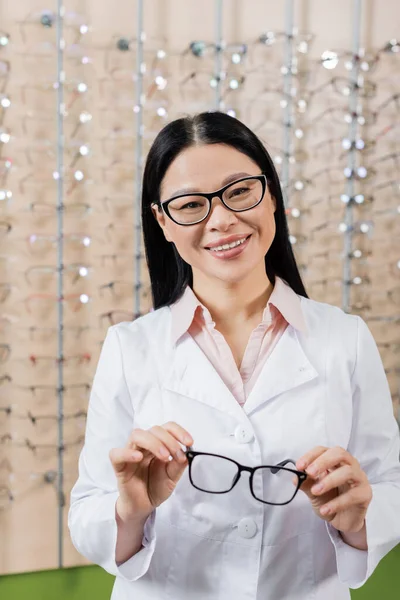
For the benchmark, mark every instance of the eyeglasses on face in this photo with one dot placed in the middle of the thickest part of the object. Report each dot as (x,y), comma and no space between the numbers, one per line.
(269,484)
(239,196)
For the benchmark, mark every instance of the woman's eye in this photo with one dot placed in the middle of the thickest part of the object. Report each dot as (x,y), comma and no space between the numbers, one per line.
(239,191)
(190,205)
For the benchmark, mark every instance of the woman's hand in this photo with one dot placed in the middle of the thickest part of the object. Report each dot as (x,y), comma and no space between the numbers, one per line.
(146,475)
(345,492)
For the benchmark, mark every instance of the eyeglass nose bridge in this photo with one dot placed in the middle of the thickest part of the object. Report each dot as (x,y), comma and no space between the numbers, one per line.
(242,468)
(211,198)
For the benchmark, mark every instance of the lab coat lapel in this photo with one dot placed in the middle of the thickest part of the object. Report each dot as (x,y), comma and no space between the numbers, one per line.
(193,375)
(286,368)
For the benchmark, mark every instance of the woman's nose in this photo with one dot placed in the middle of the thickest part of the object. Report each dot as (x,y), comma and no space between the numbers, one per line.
(220,216)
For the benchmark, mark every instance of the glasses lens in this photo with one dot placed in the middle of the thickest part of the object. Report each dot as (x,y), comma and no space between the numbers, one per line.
(188,209)
(212,473)
(279,484)
(242,195)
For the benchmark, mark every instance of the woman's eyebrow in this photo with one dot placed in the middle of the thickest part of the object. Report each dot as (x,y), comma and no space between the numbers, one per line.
(228,179)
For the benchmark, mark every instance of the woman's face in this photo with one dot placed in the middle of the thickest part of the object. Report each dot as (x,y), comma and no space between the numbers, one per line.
(205,169)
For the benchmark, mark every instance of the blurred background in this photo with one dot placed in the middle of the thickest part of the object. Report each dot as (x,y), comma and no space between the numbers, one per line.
(85,87)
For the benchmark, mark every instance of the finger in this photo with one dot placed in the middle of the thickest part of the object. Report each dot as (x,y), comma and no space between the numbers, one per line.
(146,440)
(121,456)
(309,457)
(355,497)
(175,469)
(341,476)
(330,459)
(179,432)
(169,442)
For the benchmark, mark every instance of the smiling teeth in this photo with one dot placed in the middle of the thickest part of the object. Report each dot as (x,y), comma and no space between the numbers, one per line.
(228,246)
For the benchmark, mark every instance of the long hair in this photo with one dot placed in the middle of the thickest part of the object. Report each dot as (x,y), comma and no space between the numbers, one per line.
(169,273)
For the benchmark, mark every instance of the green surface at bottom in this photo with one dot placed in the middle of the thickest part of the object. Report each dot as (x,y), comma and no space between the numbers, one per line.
(92,583)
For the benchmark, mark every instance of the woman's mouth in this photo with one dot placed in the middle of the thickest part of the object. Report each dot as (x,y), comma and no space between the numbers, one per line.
(228,251)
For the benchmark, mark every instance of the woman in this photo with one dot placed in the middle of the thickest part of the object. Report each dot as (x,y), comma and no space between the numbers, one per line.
(238,365)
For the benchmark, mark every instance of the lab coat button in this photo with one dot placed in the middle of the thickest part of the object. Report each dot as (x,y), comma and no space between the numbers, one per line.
(247,528)
(243,436)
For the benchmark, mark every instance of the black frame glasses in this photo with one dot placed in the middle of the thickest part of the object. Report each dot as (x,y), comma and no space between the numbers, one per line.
(301,475)
(217,194)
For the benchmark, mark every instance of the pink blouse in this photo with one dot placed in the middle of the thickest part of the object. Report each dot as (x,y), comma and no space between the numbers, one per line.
(283,308)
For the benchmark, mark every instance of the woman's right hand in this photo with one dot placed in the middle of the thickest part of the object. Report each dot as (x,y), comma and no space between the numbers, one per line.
(145,474)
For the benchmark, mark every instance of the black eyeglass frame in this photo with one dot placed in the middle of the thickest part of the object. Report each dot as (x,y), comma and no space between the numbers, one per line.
(209,196)
(301,475)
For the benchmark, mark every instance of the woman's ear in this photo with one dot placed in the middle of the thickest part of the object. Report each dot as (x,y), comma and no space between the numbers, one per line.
(159,215)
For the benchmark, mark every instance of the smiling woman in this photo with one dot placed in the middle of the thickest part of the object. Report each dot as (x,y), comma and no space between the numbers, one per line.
(239,366)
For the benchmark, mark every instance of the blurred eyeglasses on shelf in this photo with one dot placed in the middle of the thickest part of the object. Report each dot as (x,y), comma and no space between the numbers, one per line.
(41,304)
(5,69)
(121,235)
(119,289)
(117,204)
(5,352)
(234,53)
(5,229)
(75,25)
(341,115)
(117,142)
(391,295)
(330,175)
(392,186)
(301,40)
(344,87)
(6,164)
(197,82)
(120,48)
(5,379)
(49,392)
(76,96)
(44,243)
(298,240)
(37,361)
(363,60)
(357,199)
(44,423)
(41,274)
(120,260)
(359,227)
(44,210)
(112,317)
(388,213)
(5,292)
(40,450)
(35,333)
(392,347)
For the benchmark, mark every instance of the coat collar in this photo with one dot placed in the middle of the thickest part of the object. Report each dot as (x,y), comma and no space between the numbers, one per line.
(283,298)
(193,375)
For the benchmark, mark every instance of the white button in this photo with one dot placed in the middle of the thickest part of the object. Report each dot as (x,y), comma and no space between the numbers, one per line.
(243,435)
(247,528)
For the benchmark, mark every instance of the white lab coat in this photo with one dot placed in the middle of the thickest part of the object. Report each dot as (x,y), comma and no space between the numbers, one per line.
(323,387)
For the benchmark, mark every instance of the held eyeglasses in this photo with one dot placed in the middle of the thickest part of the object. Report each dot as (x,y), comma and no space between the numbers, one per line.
(269,484)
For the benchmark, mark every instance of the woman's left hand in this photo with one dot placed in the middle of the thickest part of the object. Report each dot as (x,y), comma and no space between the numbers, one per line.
(345,494)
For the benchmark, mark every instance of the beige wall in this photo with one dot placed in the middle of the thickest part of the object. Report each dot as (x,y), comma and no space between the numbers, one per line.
(28,525)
